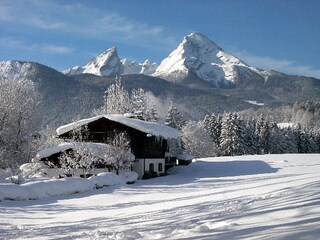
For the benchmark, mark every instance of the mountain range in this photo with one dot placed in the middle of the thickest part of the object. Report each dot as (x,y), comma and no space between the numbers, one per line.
(196,56)
(199,76)
(108,63)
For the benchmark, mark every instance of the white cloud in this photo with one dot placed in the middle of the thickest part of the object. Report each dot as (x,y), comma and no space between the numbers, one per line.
(56,49)
(73,18)
(27,13)
(35,47)
(80,21)
(38,22)
(284,66)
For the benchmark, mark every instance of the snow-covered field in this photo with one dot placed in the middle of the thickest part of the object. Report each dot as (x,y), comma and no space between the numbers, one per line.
(247,197)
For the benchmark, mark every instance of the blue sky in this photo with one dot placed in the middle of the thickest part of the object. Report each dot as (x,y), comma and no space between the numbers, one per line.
(283,35)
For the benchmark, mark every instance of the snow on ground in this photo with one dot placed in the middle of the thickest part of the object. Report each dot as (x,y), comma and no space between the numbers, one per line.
(247,197)
(40,188)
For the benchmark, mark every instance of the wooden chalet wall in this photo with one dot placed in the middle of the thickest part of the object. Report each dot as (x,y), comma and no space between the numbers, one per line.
(142,146)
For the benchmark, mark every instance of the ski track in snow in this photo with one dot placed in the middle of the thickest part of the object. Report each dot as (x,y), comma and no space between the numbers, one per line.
(275,200)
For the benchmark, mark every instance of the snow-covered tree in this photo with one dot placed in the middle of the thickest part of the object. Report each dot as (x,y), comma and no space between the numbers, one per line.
(173,117)
(289,144)
(316,139)
(299,135)
(82,156)
(213,125)
(263,135)
(232,136)
(120,155)
(264,138)
(196,140)
(44,139)
(18,100)
(152,115)
(139,103)
(69,162)
(250,138)
(117,99)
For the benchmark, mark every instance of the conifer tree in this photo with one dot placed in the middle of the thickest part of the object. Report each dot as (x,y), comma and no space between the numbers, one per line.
(232,142)
(265,138)
(299,138)
(139,103)
(316,139)
(263,135)
(250,138)
(213,125)
(289,145)
(152,115)
(173,117)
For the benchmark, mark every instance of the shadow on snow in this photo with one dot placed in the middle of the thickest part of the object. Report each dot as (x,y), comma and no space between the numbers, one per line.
(203,169)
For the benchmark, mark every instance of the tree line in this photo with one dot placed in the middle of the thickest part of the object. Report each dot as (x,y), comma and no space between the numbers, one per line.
(231,135)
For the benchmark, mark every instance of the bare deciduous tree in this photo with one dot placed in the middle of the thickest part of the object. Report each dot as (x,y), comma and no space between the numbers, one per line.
(18,100)
(120,154)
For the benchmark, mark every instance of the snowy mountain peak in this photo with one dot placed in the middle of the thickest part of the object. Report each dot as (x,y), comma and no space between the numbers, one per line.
(109,64)
(106,64)
(15,69)
(198,39)
(198,56)
(148,68)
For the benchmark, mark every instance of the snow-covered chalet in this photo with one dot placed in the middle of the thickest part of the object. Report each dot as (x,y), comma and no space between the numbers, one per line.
(152,144)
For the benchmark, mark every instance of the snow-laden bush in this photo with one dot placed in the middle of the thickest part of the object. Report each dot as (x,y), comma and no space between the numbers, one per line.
(34,169)
(53,187)
(129,177)
(106,179)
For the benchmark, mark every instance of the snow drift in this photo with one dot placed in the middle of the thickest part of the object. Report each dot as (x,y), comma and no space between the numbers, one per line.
(41,189)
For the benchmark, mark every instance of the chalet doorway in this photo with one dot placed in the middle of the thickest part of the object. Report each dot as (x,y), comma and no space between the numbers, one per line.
(151,167)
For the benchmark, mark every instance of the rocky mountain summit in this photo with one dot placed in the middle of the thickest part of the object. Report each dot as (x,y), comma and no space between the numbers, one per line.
(108,63)
(198,56)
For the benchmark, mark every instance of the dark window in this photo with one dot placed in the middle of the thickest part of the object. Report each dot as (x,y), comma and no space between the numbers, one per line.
(160,167)
(151,167)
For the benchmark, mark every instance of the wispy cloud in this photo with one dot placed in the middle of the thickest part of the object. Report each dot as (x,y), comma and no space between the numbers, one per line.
(34,47)
(57,49)
(28,13)
(285,66)
(38,22)
(79,21)
(72,18)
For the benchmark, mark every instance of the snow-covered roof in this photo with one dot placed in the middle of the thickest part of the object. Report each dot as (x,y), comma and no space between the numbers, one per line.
(155,129)
(98,148)
(53,149)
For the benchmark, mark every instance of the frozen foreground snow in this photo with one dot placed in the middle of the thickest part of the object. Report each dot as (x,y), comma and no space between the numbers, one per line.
(247,197)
